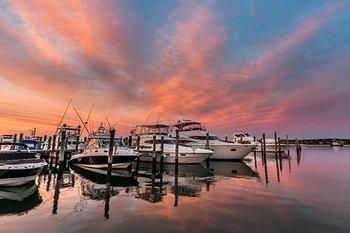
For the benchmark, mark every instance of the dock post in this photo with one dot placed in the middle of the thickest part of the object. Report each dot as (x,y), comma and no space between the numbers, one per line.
(162,155)
(298,150)
(62,156)
(288,153)
(138,157)
(14,141)
(226,138)
(177,152)
(77,144)
(20,137)
(276,159)
(110,155)
(154,157)
(207,141)
(49,143)
(280,152)
(262,152)
(276,144)
(54,139)
(130,141)
(176,168)
(265,161)
(256,166)
(109,171)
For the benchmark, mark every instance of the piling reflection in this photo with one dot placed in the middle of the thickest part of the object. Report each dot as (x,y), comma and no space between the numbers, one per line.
(19,200)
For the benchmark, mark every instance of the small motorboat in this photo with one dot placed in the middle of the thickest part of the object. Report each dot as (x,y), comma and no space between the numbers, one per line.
(19,165)
(336,143)
(94,158)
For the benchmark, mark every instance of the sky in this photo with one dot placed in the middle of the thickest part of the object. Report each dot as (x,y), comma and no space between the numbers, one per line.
(234,65)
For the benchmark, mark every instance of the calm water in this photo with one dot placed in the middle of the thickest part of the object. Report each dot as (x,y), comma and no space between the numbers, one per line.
(310,194)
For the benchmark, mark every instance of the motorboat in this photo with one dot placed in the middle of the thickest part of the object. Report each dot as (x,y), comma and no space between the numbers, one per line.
(193,134)
(6,138)
(94,158)
(336,143)
(186,154)
(19,165)
(245,138)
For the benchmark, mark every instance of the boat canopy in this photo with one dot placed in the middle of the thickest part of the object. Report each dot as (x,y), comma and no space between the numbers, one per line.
(151,129)
(187,125)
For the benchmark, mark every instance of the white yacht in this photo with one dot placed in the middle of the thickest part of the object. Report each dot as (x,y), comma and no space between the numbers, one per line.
(6,138)
(94,158)
(18,165)
(192,133)
(270,142)
(187,155)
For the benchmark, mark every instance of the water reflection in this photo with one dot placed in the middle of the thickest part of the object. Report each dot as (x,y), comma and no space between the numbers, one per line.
(222,196)
(19,200)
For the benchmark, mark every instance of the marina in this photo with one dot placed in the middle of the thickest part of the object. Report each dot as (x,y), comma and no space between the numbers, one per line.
(184,116)
(234,194)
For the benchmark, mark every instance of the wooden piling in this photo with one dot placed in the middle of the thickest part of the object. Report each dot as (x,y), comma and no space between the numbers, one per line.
(154,156)
(276,144)
(177,152)
(207,141)
(138,157)
(280,152)
(20,137)
(226,138)
(110,155)
(62,157)
(49,143)
(130,141)
(54,139)
(77,143)
(256,166)
(162,154)
(264,158)
(15,138)
(262,152)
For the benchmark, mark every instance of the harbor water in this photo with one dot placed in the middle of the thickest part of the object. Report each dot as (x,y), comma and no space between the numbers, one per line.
(306,193)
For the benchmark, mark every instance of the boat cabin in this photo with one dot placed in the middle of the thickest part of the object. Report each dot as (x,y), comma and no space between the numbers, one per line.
(188,125)
(158,129)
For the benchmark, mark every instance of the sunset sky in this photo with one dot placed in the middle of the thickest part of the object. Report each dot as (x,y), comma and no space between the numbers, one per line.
(256,66)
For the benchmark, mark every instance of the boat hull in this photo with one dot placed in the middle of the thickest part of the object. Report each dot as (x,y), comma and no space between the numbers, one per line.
(19,174)
(231,152)
(182,158)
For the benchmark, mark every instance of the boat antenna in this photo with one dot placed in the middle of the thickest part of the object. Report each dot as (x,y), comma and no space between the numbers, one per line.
(160,116)
(87,119)
(81,120)
(110,127)
(64,114)
(148,117)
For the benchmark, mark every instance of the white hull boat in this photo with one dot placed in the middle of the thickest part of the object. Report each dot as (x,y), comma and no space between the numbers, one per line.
(19,166)
(186,154)
(194,134)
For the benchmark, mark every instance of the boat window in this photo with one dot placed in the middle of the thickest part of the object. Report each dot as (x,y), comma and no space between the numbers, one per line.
(205,138)
(158,141)
(92,144)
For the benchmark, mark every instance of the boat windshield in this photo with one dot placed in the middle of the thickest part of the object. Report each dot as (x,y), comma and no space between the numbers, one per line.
(211,137)
(151,129)
(158,141)
(189,126)
(13,146)
(101,143)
